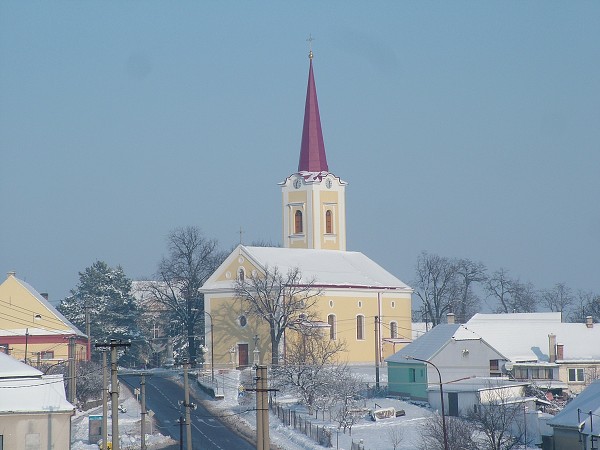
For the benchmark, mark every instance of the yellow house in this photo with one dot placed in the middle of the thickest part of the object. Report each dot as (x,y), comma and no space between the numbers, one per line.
(32,330)
(361,303)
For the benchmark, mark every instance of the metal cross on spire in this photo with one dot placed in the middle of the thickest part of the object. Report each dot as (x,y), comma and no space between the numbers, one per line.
(309,40)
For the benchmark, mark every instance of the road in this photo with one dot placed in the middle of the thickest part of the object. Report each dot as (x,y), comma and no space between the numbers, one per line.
(208,432)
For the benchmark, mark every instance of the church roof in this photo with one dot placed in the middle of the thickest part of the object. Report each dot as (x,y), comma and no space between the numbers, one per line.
(328,268)
(312,149)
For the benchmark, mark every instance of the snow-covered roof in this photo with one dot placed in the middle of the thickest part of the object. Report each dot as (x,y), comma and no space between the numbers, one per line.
(478,384)
(328,268)
(427,345)
(524,336)
(12,368)
(25,389)
(587,400)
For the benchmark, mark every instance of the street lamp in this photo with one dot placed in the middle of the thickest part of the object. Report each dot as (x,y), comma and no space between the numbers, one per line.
(441,396)
(212,346)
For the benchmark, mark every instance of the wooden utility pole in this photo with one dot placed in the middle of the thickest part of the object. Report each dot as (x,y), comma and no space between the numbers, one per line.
(114,345)
(104,399)
(143,427)
(187,405)
(377,352)
(72,371)
(262,409)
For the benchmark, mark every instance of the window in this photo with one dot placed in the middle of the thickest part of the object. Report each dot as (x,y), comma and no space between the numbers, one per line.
(4,349)
(393,330)
(494,364)
(360,327)
(49,354)
(576,375)
(328,222)
(243,321)
(298,222)
(412,375)
(241,274)
(332,330)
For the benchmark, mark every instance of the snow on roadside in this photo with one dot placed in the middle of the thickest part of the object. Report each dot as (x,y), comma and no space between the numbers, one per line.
(129,427)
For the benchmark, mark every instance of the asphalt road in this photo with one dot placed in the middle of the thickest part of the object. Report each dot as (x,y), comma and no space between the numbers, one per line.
(208,432)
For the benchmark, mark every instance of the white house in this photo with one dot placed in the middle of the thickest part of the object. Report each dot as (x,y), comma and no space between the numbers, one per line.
(34,411)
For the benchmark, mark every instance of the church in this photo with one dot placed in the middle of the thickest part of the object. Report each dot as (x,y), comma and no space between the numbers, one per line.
(360,302)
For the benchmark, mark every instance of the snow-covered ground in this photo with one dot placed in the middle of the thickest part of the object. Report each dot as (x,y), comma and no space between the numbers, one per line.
(374,435)
(129,427)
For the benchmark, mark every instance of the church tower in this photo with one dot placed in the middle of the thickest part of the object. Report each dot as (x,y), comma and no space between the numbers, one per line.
(314,205)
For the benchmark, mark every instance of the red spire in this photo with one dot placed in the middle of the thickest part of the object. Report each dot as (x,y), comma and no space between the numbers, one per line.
(312,150)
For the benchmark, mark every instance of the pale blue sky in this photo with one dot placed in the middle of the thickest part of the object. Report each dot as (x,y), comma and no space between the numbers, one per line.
(476,125)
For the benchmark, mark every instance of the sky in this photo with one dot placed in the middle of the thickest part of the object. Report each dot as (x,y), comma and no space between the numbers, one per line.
(464,129)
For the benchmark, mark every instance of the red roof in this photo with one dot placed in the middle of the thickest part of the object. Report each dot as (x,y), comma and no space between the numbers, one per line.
(312,150)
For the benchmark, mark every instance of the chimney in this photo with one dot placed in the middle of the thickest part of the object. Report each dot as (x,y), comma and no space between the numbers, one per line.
(589,322)
(450,318)
(552,347)
(560,351)
(45,295)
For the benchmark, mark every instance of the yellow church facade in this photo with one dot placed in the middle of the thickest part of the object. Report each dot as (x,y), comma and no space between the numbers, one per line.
(360,303)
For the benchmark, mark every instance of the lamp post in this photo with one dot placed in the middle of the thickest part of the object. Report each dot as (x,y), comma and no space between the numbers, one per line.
(212,347)
(441,397)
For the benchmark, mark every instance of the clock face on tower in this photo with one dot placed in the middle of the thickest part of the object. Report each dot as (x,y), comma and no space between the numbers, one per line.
(297,183)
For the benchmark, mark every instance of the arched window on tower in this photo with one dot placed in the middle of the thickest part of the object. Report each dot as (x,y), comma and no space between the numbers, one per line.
(332,330)
(328,222)
(298,222)
(360,327)
(393,330)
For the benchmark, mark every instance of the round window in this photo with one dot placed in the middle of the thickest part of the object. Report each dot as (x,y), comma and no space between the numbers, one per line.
(243,321)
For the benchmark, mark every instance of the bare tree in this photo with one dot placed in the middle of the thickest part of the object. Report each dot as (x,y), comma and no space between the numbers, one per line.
(278,299)
(559,298)
(500,420)
(345,389)
(468,273)
(192,259)
(510,294)
(310,364)
(395,436)
(436,285)
(459,434)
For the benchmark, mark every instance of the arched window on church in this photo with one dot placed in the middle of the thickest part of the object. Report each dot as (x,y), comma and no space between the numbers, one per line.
(393,330)
(332,330)
(328,222)
(360,327)
(298,222)
(241,274)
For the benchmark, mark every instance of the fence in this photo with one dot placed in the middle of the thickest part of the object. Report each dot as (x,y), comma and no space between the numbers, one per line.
(289,417)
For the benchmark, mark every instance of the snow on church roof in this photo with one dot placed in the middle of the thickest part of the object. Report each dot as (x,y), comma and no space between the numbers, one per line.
(328,268)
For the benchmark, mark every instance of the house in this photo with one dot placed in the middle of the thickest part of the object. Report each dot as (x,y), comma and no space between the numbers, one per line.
(32,330)
(577,426)
(355,289)
(540,347)
(34,412)
(450,348)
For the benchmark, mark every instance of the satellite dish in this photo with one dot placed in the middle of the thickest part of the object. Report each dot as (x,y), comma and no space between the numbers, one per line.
(508,366)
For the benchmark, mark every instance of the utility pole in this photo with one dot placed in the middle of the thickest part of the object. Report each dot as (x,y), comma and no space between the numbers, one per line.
(104,399)
(262,409)
(143,427)
(87,330)
(187,405)
(377,352)
(114,387)
(72,371)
